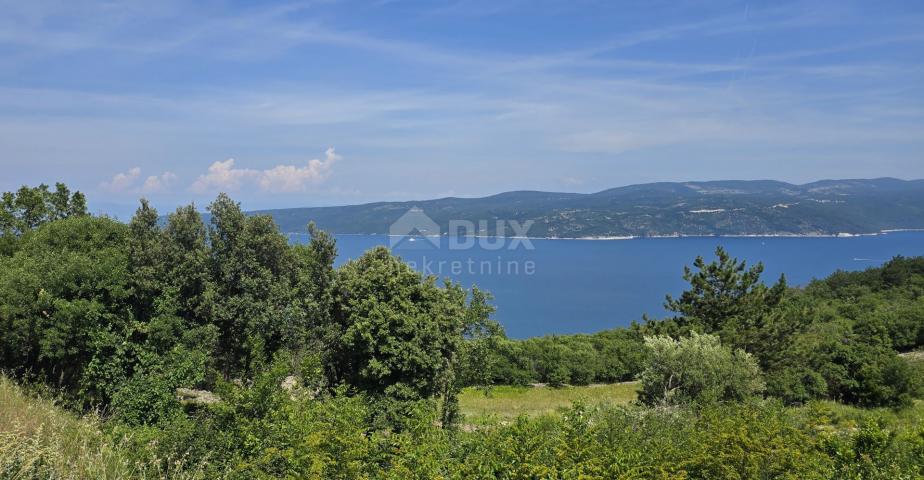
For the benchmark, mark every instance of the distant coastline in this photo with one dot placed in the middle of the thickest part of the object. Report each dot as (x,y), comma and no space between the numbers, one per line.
(731,208)
(641,237)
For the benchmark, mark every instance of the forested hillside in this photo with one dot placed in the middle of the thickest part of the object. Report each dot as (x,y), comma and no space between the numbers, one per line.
(218,349)
(764,207)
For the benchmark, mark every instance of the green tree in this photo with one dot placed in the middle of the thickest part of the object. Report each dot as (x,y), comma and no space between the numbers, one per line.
(187,286)
(77,206)
(309,324)
(697,370)
(470,362)
(144,260)
(724,294)
(64,299)
(251,267)
(400,336)
(30,207)
(829,360)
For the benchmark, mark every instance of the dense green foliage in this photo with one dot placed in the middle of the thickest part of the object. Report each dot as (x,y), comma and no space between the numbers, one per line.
(608,356)
(697,370)
(355,372)
(725,295)
(260,433)
(29,207)
(118,316)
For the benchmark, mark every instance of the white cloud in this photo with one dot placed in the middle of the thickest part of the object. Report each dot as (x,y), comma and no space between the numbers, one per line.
(223,176)
(123,181)
(281,178)
(158,183)
(291,178)
(127,182)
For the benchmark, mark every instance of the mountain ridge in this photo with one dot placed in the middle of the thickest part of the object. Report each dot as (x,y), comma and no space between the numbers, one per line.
(715,207)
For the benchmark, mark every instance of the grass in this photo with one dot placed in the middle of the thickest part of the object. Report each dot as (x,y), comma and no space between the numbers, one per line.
(504,403)
(916,356)
(845,417)
(39,439)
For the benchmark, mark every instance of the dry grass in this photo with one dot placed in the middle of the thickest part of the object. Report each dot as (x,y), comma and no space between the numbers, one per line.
(40,440)
(846,417)
(504,403)
(37,439)
(916,356)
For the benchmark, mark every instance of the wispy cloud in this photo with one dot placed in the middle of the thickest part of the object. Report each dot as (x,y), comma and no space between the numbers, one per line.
(127,182)
(411,93)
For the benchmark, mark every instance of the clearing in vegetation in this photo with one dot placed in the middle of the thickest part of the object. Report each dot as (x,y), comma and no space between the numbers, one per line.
(504,403)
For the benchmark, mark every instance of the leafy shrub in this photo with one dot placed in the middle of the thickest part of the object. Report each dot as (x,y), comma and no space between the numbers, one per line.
(697,369)
(829,361)
(149,397)
(607,356)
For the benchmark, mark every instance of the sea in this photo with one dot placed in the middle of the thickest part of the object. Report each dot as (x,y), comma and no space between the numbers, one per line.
(565,286)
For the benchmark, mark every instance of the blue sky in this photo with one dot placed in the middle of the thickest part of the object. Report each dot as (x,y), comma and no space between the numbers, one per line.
(335,102)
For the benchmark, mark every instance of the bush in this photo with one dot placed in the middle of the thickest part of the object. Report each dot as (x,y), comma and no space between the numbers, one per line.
(149,396)
(604,357)
(59,294)
(828,360)
(39,440)
(697,370)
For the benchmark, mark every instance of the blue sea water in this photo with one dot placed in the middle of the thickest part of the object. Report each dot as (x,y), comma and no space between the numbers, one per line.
(545,287)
